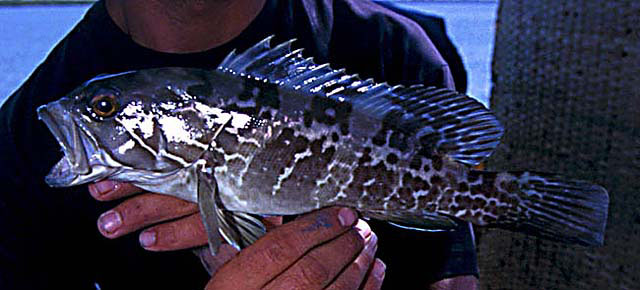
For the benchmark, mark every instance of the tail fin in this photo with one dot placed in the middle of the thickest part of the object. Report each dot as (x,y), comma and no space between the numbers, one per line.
(561,209)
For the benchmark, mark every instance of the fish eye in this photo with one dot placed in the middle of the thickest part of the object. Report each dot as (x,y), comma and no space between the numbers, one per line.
(104,105)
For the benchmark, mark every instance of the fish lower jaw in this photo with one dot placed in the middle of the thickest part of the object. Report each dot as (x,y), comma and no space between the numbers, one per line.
(61,175)
(64,175)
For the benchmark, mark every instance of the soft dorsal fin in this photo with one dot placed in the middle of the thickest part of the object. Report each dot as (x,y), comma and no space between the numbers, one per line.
(443,120)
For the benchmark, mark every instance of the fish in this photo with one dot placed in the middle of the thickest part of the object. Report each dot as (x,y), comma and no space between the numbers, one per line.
(270,132)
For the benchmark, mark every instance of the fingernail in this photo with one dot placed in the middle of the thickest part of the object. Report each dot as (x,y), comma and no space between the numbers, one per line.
(147,238)
(363,229)
(103,187)
(379,269)
(110,221)
(371,245)
(372,239)
(347,216)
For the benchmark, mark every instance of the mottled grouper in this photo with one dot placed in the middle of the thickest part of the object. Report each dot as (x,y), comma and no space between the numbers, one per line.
(272,133)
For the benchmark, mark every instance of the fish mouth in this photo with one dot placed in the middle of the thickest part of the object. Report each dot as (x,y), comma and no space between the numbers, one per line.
(78,165)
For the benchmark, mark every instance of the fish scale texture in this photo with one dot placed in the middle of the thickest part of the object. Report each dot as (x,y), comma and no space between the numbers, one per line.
(567,89)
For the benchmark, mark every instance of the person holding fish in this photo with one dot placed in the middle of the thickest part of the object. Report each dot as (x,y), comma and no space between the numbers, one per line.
(163,120)
(126,35)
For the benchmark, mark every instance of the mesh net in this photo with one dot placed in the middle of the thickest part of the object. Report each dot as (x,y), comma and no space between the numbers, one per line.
(567,89)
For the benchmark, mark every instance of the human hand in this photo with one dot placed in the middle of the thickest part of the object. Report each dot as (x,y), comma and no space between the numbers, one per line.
(183,229)
(176,223)
(325,249)
(307,252)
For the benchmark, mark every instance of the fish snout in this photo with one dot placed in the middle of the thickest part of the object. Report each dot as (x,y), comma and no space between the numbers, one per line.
(61,124)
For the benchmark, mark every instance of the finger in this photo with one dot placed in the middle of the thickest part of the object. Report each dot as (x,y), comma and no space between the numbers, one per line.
(180,234)
(353,276)
(188,232)
(109,190)
(363,228)
(272,222)
(280,248)
(212,263)
(140,211)
(376,276)
(320,266)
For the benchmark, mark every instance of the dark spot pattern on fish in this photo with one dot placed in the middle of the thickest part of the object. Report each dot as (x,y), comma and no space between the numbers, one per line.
(201,89)
(329,112)
(428,201)
(451,178)
(308,118)
(265,94)
(485,189)
(463,187)
(335,137)
(251,111)
(380,139)
(403,199)
(436,162)
(398,140)
(392,158)
(394,133)
(436,180)
(416,183)
(366,157)
(473,176)
(510,186)
(416,162)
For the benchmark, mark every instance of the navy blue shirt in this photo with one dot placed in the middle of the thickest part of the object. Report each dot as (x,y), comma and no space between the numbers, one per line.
(49,237)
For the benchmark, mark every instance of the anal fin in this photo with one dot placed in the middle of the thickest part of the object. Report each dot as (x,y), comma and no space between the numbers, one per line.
(420,220)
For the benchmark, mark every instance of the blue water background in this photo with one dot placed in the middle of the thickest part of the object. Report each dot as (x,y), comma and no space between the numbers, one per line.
(471,27)
(27,33)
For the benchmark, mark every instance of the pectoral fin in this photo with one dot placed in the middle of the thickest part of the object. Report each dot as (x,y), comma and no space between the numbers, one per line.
(236,228)
(207,190)
(240,229)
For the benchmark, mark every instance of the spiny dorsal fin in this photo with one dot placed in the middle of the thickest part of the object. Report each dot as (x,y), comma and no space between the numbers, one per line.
(443,120)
